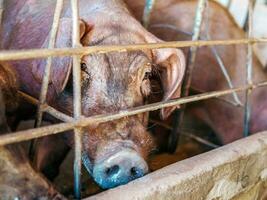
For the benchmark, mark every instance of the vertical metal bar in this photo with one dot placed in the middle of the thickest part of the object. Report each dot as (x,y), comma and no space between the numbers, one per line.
(1,10)
(249,70)
(252,4)
(179,114)
(229,4)
(51,45)
(76,98)
(45,81)
(147,12)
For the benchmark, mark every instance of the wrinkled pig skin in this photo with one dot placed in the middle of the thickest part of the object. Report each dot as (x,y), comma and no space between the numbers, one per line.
(225,119)
(115,152)
(18,180)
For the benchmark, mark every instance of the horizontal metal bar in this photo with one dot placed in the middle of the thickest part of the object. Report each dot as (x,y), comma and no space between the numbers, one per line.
(6,55)
(94,120)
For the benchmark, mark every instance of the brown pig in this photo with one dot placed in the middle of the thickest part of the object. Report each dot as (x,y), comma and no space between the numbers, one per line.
(173,20)
(18,180)
(115,152)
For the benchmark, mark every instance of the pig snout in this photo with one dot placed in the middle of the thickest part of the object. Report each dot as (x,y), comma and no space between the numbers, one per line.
(118,169)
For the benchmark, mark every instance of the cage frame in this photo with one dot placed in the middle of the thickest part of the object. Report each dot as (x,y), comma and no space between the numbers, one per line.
(77,122)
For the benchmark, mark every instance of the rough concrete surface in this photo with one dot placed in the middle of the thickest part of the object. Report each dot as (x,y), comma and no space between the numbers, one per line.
(236,171)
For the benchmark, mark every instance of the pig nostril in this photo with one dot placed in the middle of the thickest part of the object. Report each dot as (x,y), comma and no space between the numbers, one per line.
(134,171)
(112,170)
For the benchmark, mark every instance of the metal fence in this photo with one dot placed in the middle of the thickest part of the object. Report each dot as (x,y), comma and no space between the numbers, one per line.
(77,122)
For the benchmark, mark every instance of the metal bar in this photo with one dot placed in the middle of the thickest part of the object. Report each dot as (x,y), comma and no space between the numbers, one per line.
(229,3)
(55,113)
(249,71)
(57,52)
(251,6)
(220,61)
(187,133)
(225,73)
(51,44)
(1,10)
(174,136)
(214,51)
(94,120)
(46,108)
(77,98)
(147,12)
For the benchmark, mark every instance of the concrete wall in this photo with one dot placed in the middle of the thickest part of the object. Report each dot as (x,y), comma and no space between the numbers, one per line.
(236,171)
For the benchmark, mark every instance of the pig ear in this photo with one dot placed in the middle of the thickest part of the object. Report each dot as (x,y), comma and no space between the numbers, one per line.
(172,67)
(171,62)
(61,66)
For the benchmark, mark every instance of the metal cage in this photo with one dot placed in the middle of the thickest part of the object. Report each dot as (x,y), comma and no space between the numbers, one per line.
(77,51)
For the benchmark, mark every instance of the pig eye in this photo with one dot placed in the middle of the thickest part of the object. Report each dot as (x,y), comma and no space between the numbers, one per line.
(83,66)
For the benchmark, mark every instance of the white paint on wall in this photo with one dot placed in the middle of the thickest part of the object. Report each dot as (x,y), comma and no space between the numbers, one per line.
(238,9)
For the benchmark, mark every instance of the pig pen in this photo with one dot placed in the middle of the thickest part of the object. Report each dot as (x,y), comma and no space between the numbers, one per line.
(234,171)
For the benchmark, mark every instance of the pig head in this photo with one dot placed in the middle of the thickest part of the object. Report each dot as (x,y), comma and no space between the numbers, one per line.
(115,152)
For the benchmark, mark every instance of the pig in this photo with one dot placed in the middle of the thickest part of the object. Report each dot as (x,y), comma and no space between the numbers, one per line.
(114,152)
(224,118)
(18,180)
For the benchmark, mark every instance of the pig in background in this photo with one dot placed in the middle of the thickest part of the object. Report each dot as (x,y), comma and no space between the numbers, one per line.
(225,119)
(18,180)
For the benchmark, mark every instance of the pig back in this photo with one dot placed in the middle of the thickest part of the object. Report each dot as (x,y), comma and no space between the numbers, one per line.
(26,24)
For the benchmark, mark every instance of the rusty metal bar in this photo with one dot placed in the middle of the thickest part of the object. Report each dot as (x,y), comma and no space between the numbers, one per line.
(8,55)
(179,114)
(249,71)
(51,44)
(147,12)
(94,120)
(77,100)
(55,113)
(45,81)
(46,108)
